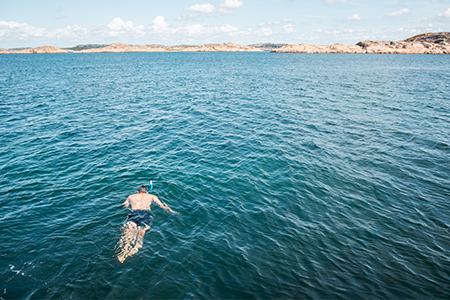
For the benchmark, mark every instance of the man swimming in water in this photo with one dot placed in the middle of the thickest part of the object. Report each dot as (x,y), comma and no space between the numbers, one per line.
(138,222)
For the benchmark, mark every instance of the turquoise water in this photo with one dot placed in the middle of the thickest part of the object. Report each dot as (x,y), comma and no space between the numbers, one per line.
(297,176)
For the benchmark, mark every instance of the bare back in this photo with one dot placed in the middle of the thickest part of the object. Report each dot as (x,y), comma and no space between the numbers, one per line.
(144,201)
(140,201)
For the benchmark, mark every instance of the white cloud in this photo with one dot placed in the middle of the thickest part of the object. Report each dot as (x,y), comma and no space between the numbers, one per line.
(335,1)
(228,28)
(69,31)
(228,5)
(160,25)
(267,31)
(271,23)
(354,17)
(201,8)
(332,32)
(232,4)
(398,13)
(288,28)
(117,26)
(200,29)
(446,14)
(195,29)
(19,30)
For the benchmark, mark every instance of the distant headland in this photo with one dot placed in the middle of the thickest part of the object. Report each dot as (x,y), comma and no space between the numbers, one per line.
(427,43)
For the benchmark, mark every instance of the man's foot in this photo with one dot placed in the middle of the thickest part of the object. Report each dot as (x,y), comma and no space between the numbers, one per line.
(121,259)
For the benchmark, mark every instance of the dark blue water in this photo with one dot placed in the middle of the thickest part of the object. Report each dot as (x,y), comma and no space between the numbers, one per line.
(296,176)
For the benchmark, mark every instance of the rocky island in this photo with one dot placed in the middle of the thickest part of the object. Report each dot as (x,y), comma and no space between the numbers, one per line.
(428,43)
(41,49)
(121,48)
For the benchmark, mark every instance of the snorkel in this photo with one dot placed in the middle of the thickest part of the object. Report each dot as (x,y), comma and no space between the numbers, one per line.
(151,186)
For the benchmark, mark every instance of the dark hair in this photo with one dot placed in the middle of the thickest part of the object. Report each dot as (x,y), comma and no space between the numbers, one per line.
(143,189)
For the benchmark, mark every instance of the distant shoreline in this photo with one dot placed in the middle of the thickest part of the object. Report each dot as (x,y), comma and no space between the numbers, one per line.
(428,43)
(124,48)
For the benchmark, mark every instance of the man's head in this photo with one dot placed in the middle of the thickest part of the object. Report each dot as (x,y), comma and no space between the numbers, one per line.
(143,189)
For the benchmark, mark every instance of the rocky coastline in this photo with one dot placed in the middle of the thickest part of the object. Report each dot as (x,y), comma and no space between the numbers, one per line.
(123,48)
(428,43)
(37,50)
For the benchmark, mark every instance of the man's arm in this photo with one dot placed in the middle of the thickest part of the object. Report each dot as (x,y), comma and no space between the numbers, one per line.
(163,205)
(127,202)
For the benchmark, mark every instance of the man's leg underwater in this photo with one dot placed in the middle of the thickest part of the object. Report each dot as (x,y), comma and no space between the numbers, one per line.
(139,241)
(130,233)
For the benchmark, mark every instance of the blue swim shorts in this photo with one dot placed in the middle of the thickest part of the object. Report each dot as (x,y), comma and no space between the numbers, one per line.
(141,217)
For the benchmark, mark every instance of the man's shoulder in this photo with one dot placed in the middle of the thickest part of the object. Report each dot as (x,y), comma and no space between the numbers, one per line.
(144,196)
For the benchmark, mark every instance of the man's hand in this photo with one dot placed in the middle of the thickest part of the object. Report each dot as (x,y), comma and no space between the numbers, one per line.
(171,211)
(163,205)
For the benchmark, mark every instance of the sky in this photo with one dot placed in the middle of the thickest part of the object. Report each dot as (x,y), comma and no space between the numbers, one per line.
(61,23)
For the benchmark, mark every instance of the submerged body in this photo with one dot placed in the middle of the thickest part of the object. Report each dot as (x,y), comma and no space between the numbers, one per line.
(138,222)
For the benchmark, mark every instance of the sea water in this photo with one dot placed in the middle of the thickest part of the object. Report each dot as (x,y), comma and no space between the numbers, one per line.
(312,176)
